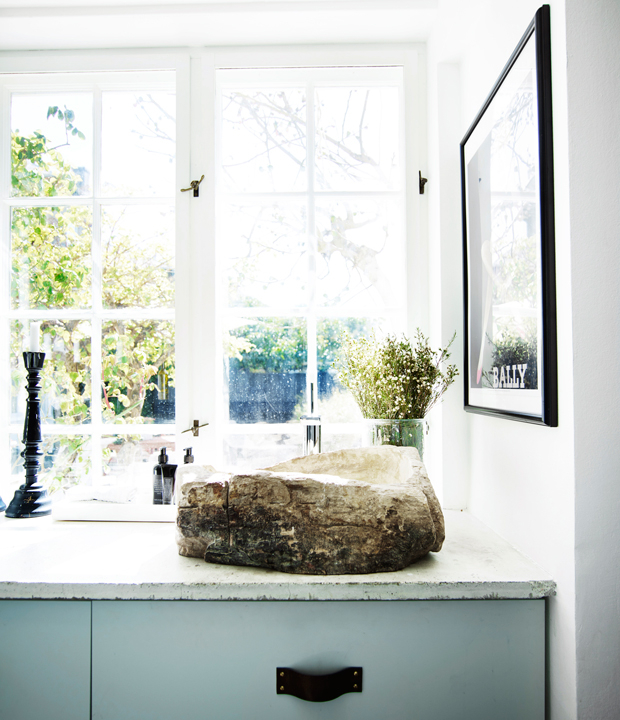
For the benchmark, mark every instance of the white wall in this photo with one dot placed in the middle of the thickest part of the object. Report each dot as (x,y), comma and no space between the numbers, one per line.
(520,476)
(593,34)
(449,440)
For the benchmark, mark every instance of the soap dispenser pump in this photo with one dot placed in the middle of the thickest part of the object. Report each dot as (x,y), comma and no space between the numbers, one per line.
(163,480)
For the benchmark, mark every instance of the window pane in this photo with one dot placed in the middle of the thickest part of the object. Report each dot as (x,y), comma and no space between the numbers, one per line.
(330,442)
(264,140)
(66,461)
(138,256)
(306,226)
(138,371)
(96,261)
(128,462)
(334,403)
(357,138)
(66,379)
(360,255)
(266,363)
(264,250)
(50,257)
(51,144)
(138,143)
(244,452)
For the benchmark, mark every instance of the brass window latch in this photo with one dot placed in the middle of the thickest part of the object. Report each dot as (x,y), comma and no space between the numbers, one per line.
(194,186)
(195,428)
(423,182)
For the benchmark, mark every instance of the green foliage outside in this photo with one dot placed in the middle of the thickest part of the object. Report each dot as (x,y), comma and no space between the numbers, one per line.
(274,345)
(280,345)
(51,255)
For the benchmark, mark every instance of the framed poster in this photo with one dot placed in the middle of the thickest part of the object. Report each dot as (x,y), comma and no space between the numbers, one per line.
(508,241)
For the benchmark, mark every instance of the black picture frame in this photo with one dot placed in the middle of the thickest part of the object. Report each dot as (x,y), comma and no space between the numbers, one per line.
(510,367)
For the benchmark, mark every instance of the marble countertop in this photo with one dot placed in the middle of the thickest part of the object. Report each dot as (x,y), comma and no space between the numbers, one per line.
(45,558)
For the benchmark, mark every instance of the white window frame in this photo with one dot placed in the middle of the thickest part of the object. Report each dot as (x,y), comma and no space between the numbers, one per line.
(204,69)
(96,315)
(31,80)
(198,358)
(310,79)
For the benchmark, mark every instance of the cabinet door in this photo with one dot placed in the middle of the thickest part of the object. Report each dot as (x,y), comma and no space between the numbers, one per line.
(422,660)
(44,660)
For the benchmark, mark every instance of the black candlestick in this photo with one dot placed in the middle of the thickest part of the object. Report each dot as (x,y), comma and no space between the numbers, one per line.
(31,499)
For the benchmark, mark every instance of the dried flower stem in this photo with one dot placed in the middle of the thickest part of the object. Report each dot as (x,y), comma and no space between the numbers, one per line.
(392,380)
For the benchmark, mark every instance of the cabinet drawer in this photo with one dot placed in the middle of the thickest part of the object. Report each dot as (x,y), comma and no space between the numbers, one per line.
(424,660)
(44,660)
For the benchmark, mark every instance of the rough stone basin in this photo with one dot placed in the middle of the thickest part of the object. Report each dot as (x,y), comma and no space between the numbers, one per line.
(350,511)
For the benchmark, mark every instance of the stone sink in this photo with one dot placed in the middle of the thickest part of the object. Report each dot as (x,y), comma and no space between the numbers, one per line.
(351,511)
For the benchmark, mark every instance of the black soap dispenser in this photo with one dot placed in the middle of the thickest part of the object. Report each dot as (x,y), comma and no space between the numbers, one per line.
(163,480)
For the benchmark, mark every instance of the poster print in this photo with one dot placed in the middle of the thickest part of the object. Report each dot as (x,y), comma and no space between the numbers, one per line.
(509,269)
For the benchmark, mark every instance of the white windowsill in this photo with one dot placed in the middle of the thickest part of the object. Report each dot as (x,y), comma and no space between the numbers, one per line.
(94,511)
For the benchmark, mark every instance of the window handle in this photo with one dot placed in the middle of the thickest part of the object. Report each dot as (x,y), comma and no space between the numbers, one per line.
(423,182)
(193,186)
(195,428)
(318,688)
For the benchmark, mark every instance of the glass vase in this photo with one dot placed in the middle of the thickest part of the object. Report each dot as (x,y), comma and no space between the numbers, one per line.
(402,433)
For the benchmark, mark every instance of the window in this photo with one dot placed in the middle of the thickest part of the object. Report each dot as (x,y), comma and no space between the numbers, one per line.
(310,238)
(157,308)
(90,215)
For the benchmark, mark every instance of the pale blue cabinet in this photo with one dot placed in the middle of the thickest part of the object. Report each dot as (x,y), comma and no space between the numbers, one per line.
(422,660)
(44,660)
(210,660)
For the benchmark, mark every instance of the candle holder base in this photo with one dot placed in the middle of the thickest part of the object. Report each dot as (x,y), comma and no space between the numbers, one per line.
(29,502)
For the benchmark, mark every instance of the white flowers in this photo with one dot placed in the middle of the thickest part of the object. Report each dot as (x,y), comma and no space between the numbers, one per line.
(391,380)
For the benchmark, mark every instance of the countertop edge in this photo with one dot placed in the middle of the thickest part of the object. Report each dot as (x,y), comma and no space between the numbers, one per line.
(520,590)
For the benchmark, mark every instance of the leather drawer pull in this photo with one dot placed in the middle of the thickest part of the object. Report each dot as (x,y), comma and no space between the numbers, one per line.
(318,688)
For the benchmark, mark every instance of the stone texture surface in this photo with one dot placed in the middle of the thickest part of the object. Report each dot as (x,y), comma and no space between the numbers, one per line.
(351,511)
